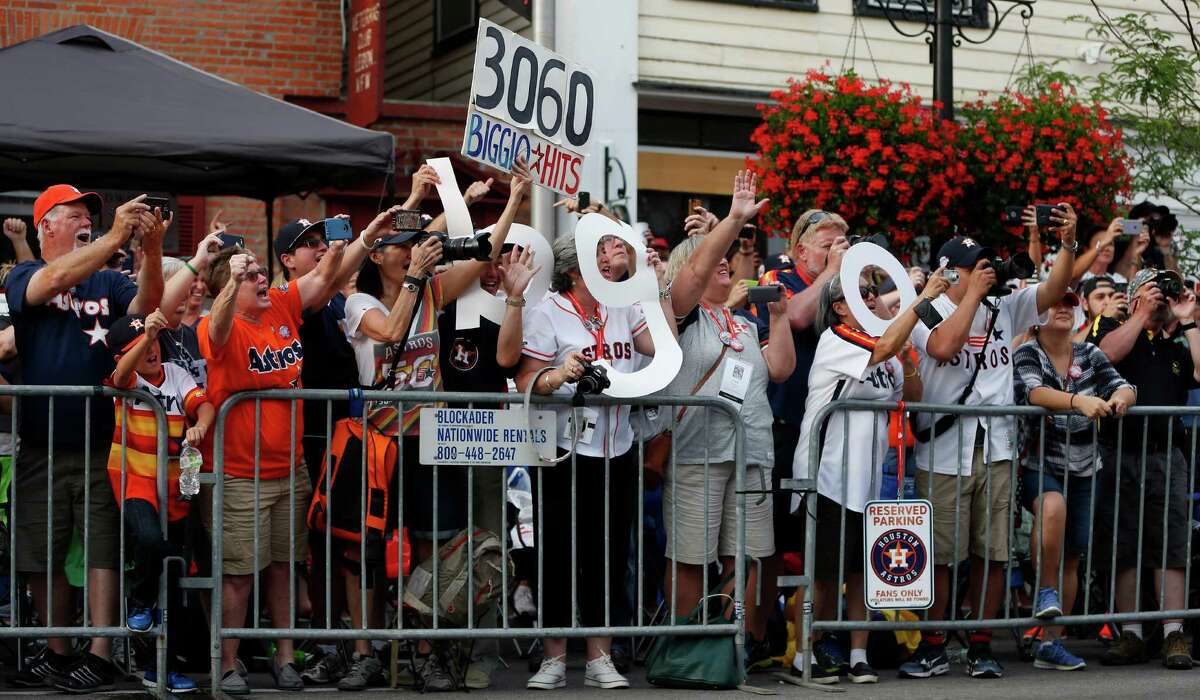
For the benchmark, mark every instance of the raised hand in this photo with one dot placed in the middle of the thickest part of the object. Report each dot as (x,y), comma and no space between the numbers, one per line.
(14,229)
(936,285)
(700,222)
(128,216)
(425,178)
(425,256)
(743,207)
(155,322)
(477,190)
(516,271)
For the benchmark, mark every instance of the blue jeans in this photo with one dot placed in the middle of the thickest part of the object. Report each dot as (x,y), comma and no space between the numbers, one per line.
(1078,493)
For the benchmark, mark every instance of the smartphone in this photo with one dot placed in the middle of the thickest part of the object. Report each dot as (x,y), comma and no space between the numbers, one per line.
(1132,227)
(1012,215)
(408,220)
(765,293)
(230,240)
(162,203)
(749,232)
(1043,215)
(337,230)
(585,200)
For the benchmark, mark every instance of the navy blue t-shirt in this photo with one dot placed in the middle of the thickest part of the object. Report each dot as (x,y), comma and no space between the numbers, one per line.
(329,363)
(64,342)
(789,396)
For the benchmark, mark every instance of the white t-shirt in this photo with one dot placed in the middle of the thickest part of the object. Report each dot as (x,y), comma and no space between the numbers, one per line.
(945,381)
(841,369)
(552,331)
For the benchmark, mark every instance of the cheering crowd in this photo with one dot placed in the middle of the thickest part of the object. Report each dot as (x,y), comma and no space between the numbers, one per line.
(377,310)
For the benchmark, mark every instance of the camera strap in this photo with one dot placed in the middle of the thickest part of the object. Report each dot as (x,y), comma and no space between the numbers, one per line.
(386,381)
(941,425)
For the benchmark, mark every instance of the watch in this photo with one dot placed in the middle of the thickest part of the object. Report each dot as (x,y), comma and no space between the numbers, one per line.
(411,286)
(1074,247)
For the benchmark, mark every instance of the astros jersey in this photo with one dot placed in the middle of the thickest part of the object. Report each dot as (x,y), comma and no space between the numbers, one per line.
(180,397)
(552,331)
(262,354)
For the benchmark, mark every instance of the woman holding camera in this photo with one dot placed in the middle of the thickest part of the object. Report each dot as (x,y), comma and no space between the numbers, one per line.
(563,334)
(723,354)
(392,325)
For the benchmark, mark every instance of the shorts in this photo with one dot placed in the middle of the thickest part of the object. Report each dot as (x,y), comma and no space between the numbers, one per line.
(829,532)
(788,532)
(419,501)
(1078,493)
(1166,487)
(686,525)
(278,540)
(32,484)
(977,503)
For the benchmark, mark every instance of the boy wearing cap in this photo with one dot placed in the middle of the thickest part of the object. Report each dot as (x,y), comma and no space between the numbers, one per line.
(133,468)
(1153,512)
(62,306)
(965,462)
(1098,296)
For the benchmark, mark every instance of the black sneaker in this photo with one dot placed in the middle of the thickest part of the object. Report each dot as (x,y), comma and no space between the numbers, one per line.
(862,672)
(820,674)
(927,661)
(40,669)
(981,663)
(91,675)
(758,656)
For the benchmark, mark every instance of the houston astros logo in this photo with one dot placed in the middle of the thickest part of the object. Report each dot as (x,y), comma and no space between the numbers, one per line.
(898,557)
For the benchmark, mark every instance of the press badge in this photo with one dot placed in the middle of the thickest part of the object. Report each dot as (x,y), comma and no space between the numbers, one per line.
(735,380)
(589,417)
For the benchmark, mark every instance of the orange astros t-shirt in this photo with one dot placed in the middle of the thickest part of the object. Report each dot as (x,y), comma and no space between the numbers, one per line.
(265,354)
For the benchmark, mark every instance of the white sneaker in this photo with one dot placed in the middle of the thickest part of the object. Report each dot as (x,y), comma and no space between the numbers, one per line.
(602,674)
(523,601)
(552,674)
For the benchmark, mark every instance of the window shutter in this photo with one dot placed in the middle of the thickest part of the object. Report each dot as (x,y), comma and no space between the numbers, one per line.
(190,226)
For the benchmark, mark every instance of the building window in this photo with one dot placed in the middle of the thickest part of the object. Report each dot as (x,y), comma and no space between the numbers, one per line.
(454,22)
(970,13)
(805,5)
(713,132)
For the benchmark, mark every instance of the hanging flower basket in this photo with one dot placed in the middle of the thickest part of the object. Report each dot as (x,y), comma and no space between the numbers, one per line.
(872,153)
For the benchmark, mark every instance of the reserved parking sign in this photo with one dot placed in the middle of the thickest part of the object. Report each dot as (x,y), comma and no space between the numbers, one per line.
(898,542)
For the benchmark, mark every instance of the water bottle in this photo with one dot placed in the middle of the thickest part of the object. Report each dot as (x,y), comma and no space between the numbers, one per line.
(190,461)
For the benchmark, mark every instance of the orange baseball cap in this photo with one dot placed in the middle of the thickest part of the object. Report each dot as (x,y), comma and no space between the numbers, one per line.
(64,194)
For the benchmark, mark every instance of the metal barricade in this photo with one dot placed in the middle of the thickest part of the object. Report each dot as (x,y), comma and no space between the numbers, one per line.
(52,626)
(637,624)
(1111,458)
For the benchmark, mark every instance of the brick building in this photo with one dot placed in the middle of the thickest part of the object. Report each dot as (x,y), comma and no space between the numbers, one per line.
(295,50)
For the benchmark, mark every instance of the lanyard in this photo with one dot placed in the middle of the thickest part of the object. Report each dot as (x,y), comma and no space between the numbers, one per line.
(594,327)
(727,333)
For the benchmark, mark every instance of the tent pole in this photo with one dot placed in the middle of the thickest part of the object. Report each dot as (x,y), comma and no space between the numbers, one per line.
(270,203)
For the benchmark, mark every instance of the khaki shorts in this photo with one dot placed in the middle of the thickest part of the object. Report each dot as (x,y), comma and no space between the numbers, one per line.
(277,541)
(686,521)
(984,528)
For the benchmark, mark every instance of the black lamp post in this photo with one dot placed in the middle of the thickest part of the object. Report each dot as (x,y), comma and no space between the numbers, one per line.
(942,29)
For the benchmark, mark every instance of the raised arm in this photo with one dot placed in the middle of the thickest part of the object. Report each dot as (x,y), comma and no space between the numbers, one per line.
(127,365)
(70,269)
(780,353)
(14,230)
(176,288)
(150,278)
(898,334)
(461,276)
(516,272)
(1117,343)
(356,250)
(1053,289)
(392,327)
(1084,260)
(688,285)
(951,334)
(1183,311)
(320,284)
(220,321)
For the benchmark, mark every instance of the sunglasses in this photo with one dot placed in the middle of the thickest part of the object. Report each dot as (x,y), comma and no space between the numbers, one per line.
(866,291)
(255,273)
(309,242)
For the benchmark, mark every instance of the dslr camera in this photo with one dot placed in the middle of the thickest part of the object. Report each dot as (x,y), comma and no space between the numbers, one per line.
(879,239)
(1169,284)
(1017,267)
(594,380)
(477,247)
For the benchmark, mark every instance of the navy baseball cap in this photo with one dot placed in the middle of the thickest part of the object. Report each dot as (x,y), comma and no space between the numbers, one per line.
(292,231)
(962,251)
(124,332)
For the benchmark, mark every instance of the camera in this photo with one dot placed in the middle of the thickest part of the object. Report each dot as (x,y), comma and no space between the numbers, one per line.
(1042,212)
(951,276)
(408,220)
(337,230)
(477,247)
(1169,284)
(879,239)
(593,381)
(765,294)
(1017,267)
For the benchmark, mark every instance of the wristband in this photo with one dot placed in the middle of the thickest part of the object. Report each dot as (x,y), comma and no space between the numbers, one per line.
(191,269)
(409,279)
(665,292)
(517,302)
(1071,405)
(1185,327)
